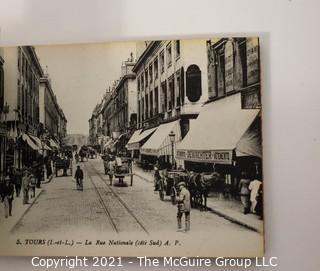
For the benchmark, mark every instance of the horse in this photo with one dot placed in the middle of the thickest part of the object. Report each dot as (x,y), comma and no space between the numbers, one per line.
(192,187)
(199,186)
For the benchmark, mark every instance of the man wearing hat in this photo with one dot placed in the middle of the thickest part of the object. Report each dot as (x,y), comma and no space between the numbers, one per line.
(184,207)
(7,192)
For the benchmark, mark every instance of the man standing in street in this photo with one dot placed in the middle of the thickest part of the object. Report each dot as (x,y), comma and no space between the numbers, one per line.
(7,193)
(184,207)
(79,178)
(111,167)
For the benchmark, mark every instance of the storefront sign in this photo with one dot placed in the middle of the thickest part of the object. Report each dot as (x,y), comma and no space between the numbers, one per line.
(253,60)
(149,151)
(208,156)
(229,66)
(133,146)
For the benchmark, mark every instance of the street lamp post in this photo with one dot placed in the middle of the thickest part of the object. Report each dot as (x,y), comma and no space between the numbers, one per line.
(172,138)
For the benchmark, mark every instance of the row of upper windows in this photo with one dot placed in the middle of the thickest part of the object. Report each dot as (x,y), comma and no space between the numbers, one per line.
(26,70)
(232,65)
(152,71)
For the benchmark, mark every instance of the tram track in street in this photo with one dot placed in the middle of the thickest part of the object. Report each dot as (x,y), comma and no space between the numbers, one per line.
(110,192)
(105,208)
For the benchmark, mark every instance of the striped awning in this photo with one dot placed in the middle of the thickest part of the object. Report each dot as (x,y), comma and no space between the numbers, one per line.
(54,144)
(159,143)
(37,140)
(137,137)
(133,139)
(30,142)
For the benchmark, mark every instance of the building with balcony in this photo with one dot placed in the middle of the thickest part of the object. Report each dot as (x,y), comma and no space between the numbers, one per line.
(22,74)
(62,127)
(172,86)
(226,137)
(33,116)
(123,108)
(52,119)
(116,116)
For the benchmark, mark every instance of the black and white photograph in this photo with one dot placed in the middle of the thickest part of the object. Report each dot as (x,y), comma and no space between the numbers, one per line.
(132,148)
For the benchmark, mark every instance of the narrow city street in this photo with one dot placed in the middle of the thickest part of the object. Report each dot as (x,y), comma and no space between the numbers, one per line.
(164,113)
(102,209)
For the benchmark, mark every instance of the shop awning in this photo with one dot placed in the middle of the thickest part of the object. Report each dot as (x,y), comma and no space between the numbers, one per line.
(46,147)
(37,140)
(250,143)
(54,144)
(159,143)
(216,132)
(29,141)
(133,139)
(137,137)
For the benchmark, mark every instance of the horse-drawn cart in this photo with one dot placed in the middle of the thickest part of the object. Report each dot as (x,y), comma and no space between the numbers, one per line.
(65,165)
(168,184)
(122,167)
(198,184)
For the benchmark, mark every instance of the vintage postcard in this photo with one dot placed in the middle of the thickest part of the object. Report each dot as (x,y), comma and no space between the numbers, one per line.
(148,148)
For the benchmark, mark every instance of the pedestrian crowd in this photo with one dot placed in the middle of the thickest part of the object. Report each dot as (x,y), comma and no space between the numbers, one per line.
(20,182)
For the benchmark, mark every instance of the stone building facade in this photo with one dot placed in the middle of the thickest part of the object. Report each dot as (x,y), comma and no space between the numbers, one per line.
(23,75)
(124,101)
(172,85)
(53,123)
(116,116)
(227,136)
(234,66)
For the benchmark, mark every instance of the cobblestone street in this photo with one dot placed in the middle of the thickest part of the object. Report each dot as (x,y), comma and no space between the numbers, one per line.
(103,210)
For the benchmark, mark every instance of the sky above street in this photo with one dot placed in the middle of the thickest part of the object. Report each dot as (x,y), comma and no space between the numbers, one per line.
(80,75)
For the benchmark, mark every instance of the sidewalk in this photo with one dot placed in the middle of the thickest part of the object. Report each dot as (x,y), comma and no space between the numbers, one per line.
(18,211)
(229,209)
